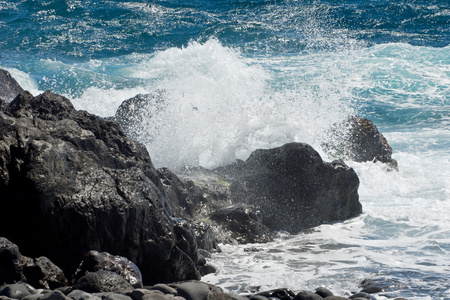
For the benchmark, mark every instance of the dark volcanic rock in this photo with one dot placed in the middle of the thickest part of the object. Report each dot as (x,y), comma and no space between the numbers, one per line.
(359,140)
(9,88)
(39,272)
(73,182)
(293,188)
(102,281)
(95,261)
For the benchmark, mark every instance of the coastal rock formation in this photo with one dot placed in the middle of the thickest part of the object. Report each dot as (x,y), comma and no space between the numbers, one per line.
(71,182)
(9,87)
(359,140)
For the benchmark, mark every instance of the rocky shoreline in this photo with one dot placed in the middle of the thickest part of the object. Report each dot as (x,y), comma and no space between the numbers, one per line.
(74,187)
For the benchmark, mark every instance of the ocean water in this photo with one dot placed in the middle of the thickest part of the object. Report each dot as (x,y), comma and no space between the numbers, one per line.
(240,75)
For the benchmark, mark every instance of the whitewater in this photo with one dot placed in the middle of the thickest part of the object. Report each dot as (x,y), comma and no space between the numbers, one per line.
(240,76)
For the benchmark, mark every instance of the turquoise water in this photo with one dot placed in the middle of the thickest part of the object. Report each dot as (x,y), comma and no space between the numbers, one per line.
(242,75)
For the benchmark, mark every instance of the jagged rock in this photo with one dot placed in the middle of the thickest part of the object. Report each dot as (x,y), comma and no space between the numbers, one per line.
(359,140)
(73,182)
(95,261)
(39,272)
(9,88)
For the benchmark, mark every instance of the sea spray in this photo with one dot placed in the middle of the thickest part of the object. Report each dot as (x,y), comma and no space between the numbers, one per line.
(218,106)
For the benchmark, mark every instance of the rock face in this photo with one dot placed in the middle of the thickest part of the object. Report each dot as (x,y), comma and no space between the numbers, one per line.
(359,140)
(9,88)
(71,182)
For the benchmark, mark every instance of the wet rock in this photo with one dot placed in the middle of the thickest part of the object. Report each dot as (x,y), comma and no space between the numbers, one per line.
(359,140)
(293,188)
(283,294)
(72,177)
(95,261)
(9,87)
(307,295)
(196,290)
(323,292)
(244,222)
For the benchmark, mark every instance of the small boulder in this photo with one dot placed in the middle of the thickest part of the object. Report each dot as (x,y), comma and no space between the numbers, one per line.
(244,222)
(102,281)
(323,292)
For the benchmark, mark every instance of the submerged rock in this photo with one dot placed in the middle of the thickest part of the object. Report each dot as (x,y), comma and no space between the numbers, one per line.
(9,87)
(71,182)
(359,140)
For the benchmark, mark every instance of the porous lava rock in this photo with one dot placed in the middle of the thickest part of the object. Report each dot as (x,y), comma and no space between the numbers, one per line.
(71,182)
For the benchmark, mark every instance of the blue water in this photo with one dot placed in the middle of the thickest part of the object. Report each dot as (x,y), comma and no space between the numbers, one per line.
(242,75)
